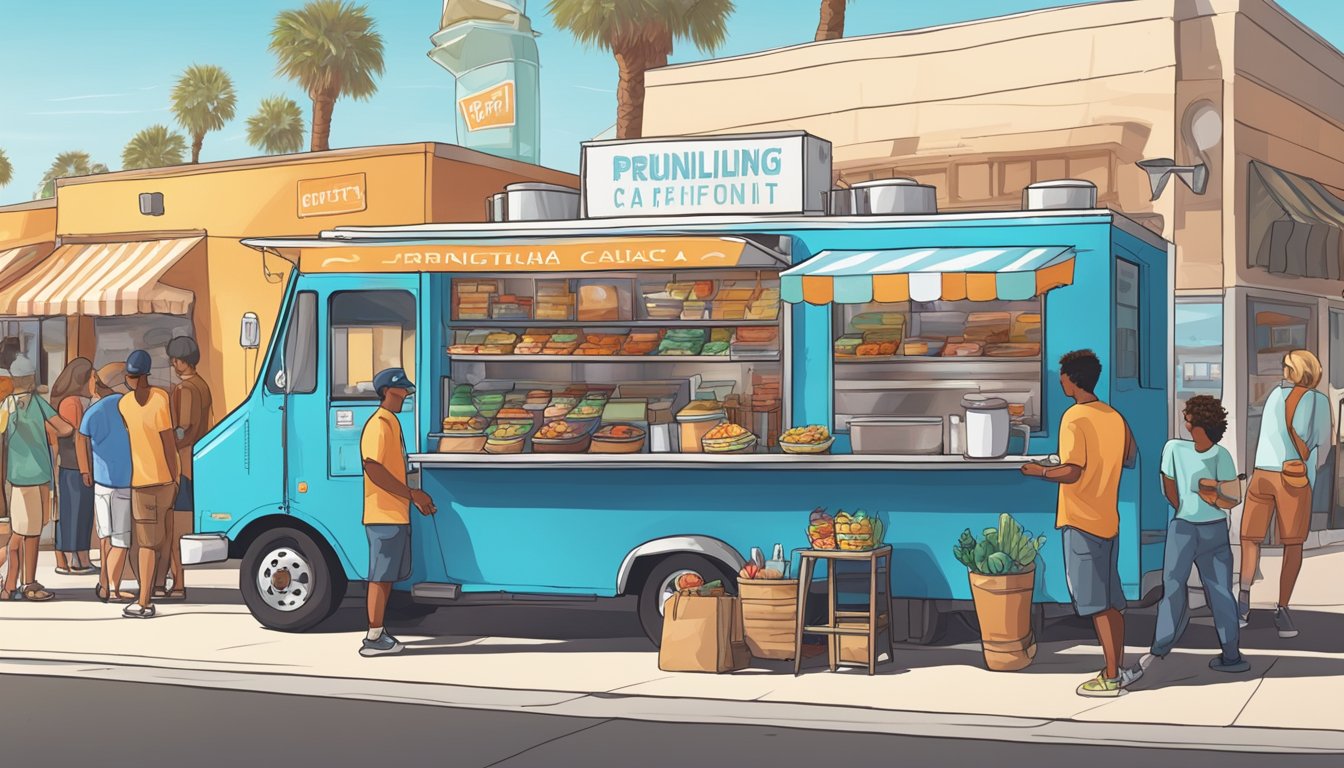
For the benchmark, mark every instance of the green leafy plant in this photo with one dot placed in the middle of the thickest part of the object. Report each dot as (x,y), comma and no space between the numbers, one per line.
(1003,550)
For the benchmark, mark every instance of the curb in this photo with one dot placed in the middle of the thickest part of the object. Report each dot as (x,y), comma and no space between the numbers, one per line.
(667,709)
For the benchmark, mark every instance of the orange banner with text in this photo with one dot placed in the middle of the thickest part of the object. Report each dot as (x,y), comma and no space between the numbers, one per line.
(490,108)
(583,256)
(332,195)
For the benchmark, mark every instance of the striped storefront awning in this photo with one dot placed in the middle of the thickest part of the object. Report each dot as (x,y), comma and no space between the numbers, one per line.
(16,262)
(928,274)
(101,279)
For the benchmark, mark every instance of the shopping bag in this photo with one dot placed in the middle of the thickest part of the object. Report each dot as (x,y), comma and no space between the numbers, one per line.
(703,634)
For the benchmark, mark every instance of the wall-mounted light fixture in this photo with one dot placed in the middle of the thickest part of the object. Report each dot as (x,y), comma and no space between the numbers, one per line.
(1196,177)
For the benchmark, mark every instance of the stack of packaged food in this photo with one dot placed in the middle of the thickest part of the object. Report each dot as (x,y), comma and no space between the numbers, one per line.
(733,299)
(641,342)
(682,341)
(988,327)
(562,342)
(534,340)
(511,307)
(498,343)
(1026,328)
(555,301)
(720,339)
(755,342)
(765,306)
(474,298)
(601,344)
(766,391)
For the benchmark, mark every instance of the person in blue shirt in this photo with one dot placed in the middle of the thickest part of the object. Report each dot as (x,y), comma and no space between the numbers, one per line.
(104,450)
(1294,439)
(1195,474)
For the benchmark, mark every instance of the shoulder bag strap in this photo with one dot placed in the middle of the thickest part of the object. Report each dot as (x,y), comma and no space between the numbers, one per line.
(1294,398)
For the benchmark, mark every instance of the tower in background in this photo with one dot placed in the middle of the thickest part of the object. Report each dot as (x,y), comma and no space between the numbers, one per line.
(490,48)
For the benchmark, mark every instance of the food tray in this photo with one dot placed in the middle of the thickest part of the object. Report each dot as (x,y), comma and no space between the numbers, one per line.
(512,445)
(577,444)
(713,446)
(807,448)
(619,445)
(468,443)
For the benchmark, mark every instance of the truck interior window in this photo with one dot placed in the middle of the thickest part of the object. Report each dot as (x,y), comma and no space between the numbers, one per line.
(296,370)
(370,331)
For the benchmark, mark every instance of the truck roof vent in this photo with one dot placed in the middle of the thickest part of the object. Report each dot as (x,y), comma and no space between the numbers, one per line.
(892,197)
(1060,195)
(533,201)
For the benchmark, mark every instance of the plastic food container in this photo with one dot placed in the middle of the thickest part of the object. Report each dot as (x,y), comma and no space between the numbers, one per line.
(807,448)
(608,444)
(696,420)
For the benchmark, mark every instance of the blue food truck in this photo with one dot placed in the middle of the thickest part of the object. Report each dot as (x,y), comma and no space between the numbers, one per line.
(607,383)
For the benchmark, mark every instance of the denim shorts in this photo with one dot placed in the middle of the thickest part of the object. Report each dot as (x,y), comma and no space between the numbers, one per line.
(389,552)
(1092,570)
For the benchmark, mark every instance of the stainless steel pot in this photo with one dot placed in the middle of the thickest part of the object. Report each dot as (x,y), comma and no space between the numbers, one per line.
(911,435)
(531,201)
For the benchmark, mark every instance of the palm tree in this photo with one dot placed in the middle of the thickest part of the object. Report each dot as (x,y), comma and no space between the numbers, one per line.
(203,101)
(832,24)
(331,49)
(6,169)
(640,34)
(154,147)
(277,127)
(73,163)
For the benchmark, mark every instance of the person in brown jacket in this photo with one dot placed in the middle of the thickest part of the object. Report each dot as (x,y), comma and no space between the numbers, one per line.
(192,408)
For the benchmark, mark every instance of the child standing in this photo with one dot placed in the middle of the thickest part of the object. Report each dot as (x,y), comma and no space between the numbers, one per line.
(1192,474)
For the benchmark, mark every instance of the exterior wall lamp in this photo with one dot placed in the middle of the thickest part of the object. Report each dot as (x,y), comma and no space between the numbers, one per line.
(1196,177)
(1202,129)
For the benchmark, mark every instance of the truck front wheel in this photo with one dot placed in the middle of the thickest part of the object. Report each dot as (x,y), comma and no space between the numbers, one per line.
(289,581)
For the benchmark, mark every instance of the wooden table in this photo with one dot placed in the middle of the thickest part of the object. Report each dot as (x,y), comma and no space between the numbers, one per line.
(871,623)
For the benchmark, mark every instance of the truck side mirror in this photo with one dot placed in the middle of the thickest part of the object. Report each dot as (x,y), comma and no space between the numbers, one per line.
(249,336)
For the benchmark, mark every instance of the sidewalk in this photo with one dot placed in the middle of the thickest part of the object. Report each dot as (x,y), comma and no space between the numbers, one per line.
(595,658)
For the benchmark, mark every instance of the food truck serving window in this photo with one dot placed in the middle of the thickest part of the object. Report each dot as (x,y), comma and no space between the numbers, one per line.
(912,362)
(370,331)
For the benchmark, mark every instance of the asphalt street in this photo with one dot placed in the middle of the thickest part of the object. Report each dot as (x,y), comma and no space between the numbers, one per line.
(54,721)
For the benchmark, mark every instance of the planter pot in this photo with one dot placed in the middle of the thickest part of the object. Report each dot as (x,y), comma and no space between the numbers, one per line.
(1003,607)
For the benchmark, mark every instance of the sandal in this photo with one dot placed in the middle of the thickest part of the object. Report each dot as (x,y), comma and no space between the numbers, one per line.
(36,593)
(136,611)
(64,571)
(123,597)
(101,592)
(87,570)
(176,594)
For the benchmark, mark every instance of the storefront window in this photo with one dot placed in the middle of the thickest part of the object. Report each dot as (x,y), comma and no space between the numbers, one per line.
(1198,353)
(117,337)
(370,331)
(1127,353)
(917,360)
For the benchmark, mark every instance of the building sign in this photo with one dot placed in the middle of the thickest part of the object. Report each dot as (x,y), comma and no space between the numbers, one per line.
(584,256)
(777,173)
(332,195)
(490,108)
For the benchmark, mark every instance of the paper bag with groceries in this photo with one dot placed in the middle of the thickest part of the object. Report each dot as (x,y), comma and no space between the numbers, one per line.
(703,634)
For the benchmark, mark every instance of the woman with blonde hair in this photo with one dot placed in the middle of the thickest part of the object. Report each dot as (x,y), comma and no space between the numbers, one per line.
(1294,438)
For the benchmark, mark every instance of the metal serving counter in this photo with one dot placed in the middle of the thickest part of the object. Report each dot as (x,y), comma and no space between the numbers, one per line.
(705,461)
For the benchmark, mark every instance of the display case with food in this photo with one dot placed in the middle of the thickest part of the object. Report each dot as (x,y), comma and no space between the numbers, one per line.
(462,435)
(506,438)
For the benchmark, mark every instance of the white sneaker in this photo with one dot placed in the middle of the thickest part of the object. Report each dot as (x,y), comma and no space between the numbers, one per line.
(1131,675)
(1146,661)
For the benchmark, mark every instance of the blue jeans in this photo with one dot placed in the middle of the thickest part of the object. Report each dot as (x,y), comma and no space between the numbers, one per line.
(1205,546)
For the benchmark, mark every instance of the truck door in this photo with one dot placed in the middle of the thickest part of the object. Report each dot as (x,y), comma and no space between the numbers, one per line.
(369,324)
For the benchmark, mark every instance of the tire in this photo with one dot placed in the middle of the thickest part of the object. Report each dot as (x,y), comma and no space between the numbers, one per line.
(665,570)
(303,582)
(932,625)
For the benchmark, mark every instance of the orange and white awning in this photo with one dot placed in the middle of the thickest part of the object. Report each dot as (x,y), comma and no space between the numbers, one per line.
(927,274)
(101,279)
(16,262)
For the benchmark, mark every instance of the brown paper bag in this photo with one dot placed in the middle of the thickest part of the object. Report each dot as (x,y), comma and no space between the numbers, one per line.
(703,634)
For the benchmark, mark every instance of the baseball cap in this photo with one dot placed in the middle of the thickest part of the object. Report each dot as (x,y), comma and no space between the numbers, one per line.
(138,364)
(391,377)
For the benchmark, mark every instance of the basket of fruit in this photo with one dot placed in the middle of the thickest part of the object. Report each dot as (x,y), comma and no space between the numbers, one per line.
(814,438)
(506,438)
(821,530)
(858,531)
(562,437)
(728,438)
(692,583)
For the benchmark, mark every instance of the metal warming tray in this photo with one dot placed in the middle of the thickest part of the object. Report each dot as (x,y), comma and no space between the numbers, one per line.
(911,435)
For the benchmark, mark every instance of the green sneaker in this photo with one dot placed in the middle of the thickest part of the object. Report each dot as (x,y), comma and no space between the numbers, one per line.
(1101,686)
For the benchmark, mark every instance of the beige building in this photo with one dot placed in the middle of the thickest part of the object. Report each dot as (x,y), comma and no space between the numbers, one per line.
(982,109)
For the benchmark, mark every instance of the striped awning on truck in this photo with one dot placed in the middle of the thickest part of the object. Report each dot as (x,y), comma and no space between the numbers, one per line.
(928,274)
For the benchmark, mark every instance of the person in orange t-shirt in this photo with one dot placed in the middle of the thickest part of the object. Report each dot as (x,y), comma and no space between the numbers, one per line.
(387,505)
(1095,445)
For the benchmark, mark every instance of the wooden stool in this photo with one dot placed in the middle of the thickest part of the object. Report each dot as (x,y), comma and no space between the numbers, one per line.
(871,623)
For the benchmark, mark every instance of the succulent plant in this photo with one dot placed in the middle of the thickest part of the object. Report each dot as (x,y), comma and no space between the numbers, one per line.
(1002,550)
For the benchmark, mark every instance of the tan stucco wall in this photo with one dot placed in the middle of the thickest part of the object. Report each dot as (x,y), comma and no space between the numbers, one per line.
(27,223)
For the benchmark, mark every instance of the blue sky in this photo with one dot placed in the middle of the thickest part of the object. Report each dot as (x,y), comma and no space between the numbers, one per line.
(88,75)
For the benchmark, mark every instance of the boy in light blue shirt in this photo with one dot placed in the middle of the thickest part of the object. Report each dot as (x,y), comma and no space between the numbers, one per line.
(1192,474)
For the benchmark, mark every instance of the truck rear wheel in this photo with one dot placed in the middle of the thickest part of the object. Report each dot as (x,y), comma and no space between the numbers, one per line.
(289,581)
(661,585)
